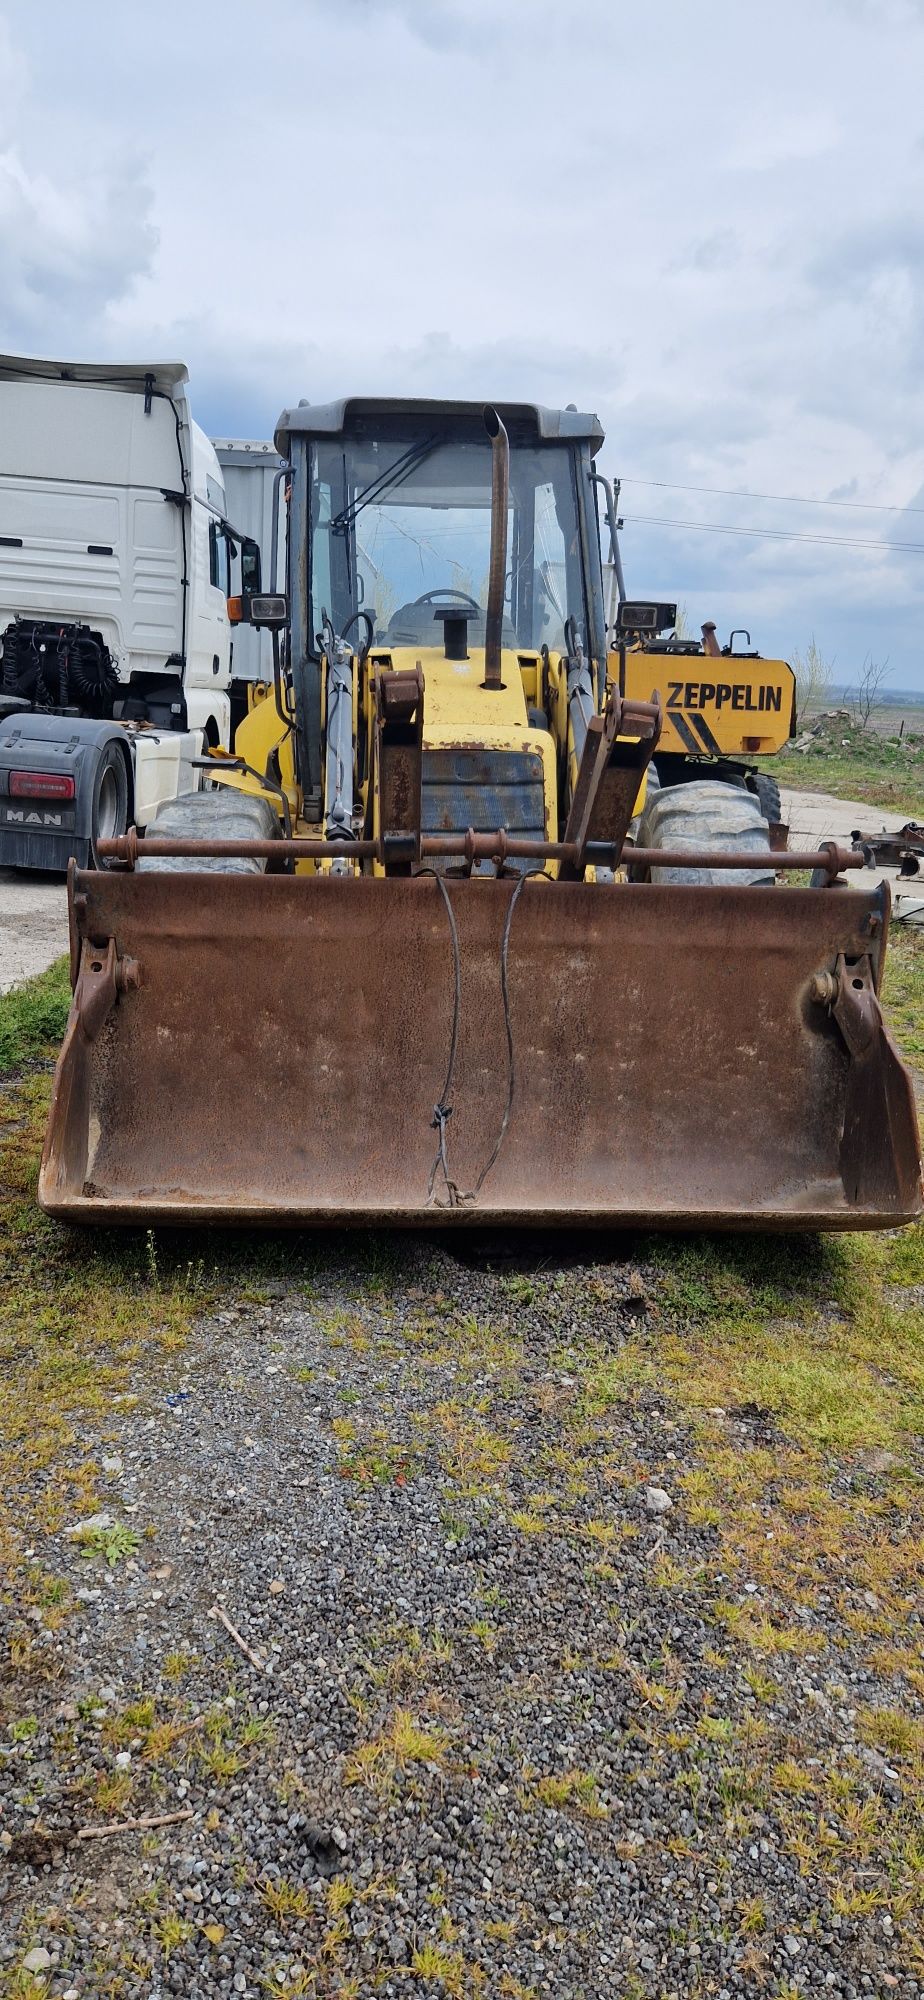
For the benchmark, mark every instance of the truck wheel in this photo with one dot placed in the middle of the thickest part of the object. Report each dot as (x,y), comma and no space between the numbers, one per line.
(706,813)
(110,800)
(768,795)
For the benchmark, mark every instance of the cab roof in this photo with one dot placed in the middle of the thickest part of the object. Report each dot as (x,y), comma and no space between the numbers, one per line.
(324,420)
(166,376)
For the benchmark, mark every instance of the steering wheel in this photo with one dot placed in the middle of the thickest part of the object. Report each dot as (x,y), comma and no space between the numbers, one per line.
(446,590)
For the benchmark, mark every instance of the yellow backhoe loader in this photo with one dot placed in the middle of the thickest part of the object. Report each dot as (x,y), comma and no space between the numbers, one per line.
(488,917)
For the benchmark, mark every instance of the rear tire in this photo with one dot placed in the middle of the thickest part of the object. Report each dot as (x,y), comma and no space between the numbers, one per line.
(109,813)
(706,814)
(220,814)
(767,792)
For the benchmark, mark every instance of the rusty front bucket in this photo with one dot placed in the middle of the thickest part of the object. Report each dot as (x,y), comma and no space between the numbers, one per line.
(320,1049)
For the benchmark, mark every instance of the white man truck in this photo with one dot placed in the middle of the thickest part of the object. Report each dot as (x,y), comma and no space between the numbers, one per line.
(115,571)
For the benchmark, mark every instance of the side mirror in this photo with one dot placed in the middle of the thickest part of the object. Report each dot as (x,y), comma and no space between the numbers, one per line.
(251,577)
(269,609)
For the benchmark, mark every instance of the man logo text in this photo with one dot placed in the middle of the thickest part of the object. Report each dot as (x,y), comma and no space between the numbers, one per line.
(18,816)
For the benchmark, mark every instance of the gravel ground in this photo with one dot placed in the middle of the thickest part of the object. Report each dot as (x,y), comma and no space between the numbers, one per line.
(490,1741)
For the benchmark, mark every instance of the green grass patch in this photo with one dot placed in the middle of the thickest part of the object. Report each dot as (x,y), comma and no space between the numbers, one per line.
(33,1018)
(882,770)
(810,1330)
(903,991)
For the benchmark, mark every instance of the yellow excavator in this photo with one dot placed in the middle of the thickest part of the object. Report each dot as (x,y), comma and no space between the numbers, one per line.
(488,918)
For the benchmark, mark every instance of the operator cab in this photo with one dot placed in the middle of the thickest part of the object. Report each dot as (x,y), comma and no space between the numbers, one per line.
(398,503)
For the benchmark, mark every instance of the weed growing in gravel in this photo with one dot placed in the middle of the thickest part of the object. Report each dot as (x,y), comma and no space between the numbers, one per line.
(472,1455)
(287,1902)
(135,1719)
(566,1791)
(528,1522)
(112,1792)
(893,1731)
(370,1457)
(21,1731)
(170,1931)
(442,1968)
(402,1744)
(21,1985)
(760,1684)
(114,1543)
(178,1664)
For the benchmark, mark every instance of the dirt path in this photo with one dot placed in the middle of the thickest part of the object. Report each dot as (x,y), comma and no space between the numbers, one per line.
(33,923)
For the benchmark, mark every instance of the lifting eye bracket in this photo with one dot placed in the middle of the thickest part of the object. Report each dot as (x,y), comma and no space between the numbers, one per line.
(102,978)
(399,709)
(618,748)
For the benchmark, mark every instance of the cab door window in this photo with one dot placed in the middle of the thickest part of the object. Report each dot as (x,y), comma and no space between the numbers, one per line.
(219,560)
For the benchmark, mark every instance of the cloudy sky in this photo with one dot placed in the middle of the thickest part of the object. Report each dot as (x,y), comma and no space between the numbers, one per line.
(704,221)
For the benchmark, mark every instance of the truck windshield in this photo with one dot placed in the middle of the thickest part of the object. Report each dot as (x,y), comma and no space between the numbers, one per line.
(400,528)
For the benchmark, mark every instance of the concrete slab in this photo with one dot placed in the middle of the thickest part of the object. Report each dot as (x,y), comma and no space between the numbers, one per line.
(33,923)
(814,816)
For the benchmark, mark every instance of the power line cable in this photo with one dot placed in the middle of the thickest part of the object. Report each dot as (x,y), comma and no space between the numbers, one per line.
(776,534)
(788,499)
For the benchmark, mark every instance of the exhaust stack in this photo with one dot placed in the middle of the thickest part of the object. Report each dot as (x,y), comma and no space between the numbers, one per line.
(497,573)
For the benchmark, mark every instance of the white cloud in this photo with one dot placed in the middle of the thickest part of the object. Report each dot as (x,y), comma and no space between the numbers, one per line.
(68,250)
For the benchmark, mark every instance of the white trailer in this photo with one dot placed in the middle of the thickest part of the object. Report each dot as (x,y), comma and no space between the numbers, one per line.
(254,480)
(115,569)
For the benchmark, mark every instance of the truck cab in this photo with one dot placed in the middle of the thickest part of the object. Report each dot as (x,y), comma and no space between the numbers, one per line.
(115,570)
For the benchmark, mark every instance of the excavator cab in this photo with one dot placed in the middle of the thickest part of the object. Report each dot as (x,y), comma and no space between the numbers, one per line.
(481,921)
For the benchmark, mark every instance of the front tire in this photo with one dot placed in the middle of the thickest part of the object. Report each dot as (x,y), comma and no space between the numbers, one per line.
(706,814)
(222,813)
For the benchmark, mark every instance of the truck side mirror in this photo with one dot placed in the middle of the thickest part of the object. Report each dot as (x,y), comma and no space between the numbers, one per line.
(251,577)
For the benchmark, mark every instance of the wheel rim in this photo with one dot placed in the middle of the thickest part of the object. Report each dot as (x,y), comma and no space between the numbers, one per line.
(107,811)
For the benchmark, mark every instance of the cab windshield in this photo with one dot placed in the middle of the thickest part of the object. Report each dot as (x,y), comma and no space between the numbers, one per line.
(403,527)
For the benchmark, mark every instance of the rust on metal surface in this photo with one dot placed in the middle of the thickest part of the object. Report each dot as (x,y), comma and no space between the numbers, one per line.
(282,1055)
(610,775)
(399,715)
(126,849)
(101,977)
(903,850)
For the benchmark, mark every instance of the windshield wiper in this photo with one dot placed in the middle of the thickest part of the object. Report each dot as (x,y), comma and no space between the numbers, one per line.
(384,482)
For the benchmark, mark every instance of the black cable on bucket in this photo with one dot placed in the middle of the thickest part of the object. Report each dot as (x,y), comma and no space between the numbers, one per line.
(442,1110)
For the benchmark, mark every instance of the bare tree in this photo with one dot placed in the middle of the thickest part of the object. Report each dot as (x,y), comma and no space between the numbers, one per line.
(868,692)
(813,679)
